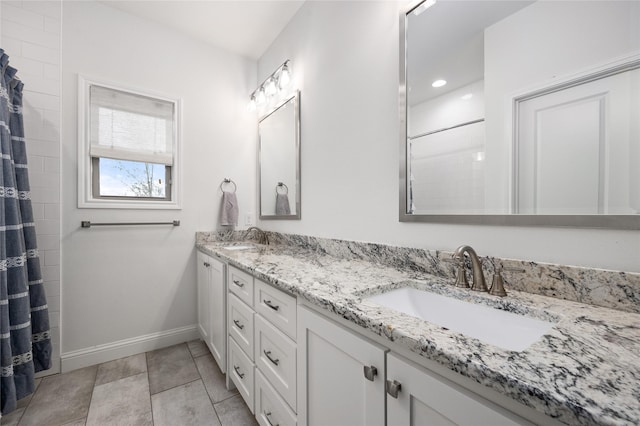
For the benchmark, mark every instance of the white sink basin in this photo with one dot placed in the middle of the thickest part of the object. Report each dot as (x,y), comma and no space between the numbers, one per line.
(239,247)
(499,328)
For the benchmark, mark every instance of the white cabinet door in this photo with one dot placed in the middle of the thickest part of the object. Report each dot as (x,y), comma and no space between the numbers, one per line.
(204,286)
(332,387)
(218,310)
(422,397)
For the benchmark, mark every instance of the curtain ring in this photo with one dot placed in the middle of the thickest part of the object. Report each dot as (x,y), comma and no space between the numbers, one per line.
(280,185)
(227,180)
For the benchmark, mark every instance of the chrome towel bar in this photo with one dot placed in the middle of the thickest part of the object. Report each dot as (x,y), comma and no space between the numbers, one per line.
(88,224)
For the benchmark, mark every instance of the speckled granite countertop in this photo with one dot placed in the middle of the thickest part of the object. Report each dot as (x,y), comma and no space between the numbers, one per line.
(585,371)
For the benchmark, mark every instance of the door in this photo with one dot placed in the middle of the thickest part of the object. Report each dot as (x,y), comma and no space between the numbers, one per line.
(577,149)
(204,284)
(416,396)
(218,314)
(332,386)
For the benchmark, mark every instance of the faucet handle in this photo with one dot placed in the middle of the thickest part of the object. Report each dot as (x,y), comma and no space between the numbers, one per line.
(497,285)
(461,273)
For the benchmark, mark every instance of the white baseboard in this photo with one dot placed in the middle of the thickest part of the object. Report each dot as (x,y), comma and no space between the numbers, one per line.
(127,347)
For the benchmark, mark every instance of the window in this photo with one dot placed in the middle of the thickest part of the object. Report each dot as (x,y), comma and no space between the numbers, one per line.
(128,155)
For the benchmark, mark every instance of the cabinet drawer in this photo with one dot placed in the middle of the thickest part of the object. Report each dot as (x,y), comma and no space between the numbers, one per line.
(241,324)
(270,407)
(275,356)
(241,284)
(242,372)
(277,307)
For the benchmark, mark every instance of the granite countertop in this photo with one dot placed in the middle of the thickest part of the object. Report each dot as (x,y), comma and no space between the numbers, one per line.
(586,370)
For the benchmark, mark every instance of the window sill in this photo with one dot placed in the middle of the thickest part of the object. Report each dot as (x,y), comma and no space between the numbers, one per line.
(126,204)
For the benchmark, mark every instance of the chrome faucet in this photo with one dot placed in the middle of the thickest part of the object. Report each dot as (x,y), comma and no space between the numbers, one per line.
(477,276)
(263,238)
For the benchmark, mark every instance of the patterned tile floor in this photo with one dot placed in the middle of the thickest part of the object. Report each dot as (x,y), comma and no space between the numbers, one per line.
(178,385)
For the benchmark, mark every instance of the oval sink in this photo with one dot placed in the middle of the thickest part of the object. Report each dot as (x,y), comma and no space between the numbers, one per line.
(504,329)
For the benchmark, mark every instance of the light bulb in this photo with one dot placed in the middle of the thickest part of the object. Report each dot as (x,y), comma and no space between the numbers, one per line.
(285,76)
(271,87)
(439,83)
(252,103)
(261,98)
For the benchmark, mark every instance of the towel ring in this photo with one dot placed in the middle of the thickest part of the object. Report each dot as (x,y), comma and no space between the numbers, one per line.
(280,185)
(227,180)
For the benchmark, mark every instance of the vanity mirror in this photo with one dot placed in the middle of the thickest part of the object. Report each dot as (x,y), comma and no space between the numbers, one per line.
(279,161)
(520,113)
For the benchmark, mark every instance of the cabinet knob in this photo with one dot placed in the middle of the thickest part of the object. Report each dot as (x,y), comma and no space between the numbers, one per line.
(267,415)
(271,305)
(393,388)
(241,375)
(370,372)
(268,355)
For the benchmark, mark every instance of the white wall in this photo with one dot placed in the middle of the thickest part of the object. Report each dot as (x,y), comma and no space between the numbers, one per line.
(345,56)
(31,37)
(127,283)
(447,110)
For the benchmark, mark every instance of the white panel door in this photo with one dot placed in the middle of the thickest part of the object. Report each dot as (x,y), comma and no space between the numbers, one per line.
(575,148)
(424,398)
(332,387)
(204,284)
(218,304)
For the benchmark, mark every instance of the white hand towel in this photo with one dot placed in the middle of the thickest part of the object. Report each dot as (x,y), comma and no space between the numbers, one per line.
(229,216)
(282,204)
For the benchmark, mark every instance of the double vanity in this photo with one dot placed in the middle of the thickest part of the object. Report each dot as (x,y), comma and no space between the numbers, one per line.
(317,332)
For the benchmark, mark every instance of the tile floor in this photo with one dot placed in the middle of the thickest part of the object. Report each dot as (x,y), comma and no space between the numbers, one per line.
(178,385)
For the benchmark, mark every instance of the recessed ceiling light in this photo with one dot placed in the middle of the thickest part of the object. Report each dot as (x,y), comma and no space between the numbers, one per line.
(467,96)
(439,83)
(424,6)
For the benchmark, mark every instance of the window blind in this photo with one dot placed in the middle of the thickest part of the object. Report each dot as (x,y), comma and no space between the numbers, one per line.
(127,126)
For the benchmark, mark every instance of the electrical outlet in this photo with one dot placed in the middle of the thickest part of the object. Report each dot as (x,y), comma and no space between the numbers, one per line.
(248,219)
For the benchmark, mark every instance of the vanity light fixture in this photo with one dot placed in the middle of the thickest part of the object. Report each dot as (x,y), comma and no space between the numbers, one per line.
(285,75)
(278,80)
(252,103)
(424,6)
(439,83)
(261,97)
(270,89)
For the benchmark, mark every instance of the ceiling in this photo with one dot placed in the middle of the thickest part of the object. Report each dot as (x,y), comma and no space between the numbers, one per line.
(447,42)
(245,27)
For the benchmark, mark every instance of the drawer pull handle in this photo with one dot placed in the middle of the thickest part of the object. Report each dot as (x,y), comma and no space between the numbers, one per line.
(207,264)
(267,414)
(370,372)
(268,355)
(241,375)
(238,283)
(393,388)
(271,305)
(237,323)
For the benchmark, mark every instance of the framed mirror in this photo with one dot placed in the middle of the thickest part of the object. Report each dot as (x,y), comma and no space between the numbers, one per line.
(520,113)
(279,161)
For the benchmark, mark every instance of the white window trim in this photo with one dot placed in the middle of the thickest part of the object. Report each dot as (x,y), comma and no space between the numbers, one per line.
(85,195)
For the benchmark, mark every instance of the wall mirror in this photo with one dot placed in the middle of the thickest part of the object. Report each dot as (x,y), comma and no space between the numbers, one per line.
(279,161)
(520,113)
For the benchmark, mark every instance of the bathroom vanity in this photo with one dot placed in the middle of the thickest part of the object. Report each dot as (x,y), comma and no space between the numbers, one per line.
(307,343)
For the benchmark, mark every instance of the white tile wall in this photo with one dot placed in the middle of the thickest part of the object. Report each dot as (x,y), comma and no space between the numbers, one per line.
(30,35)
